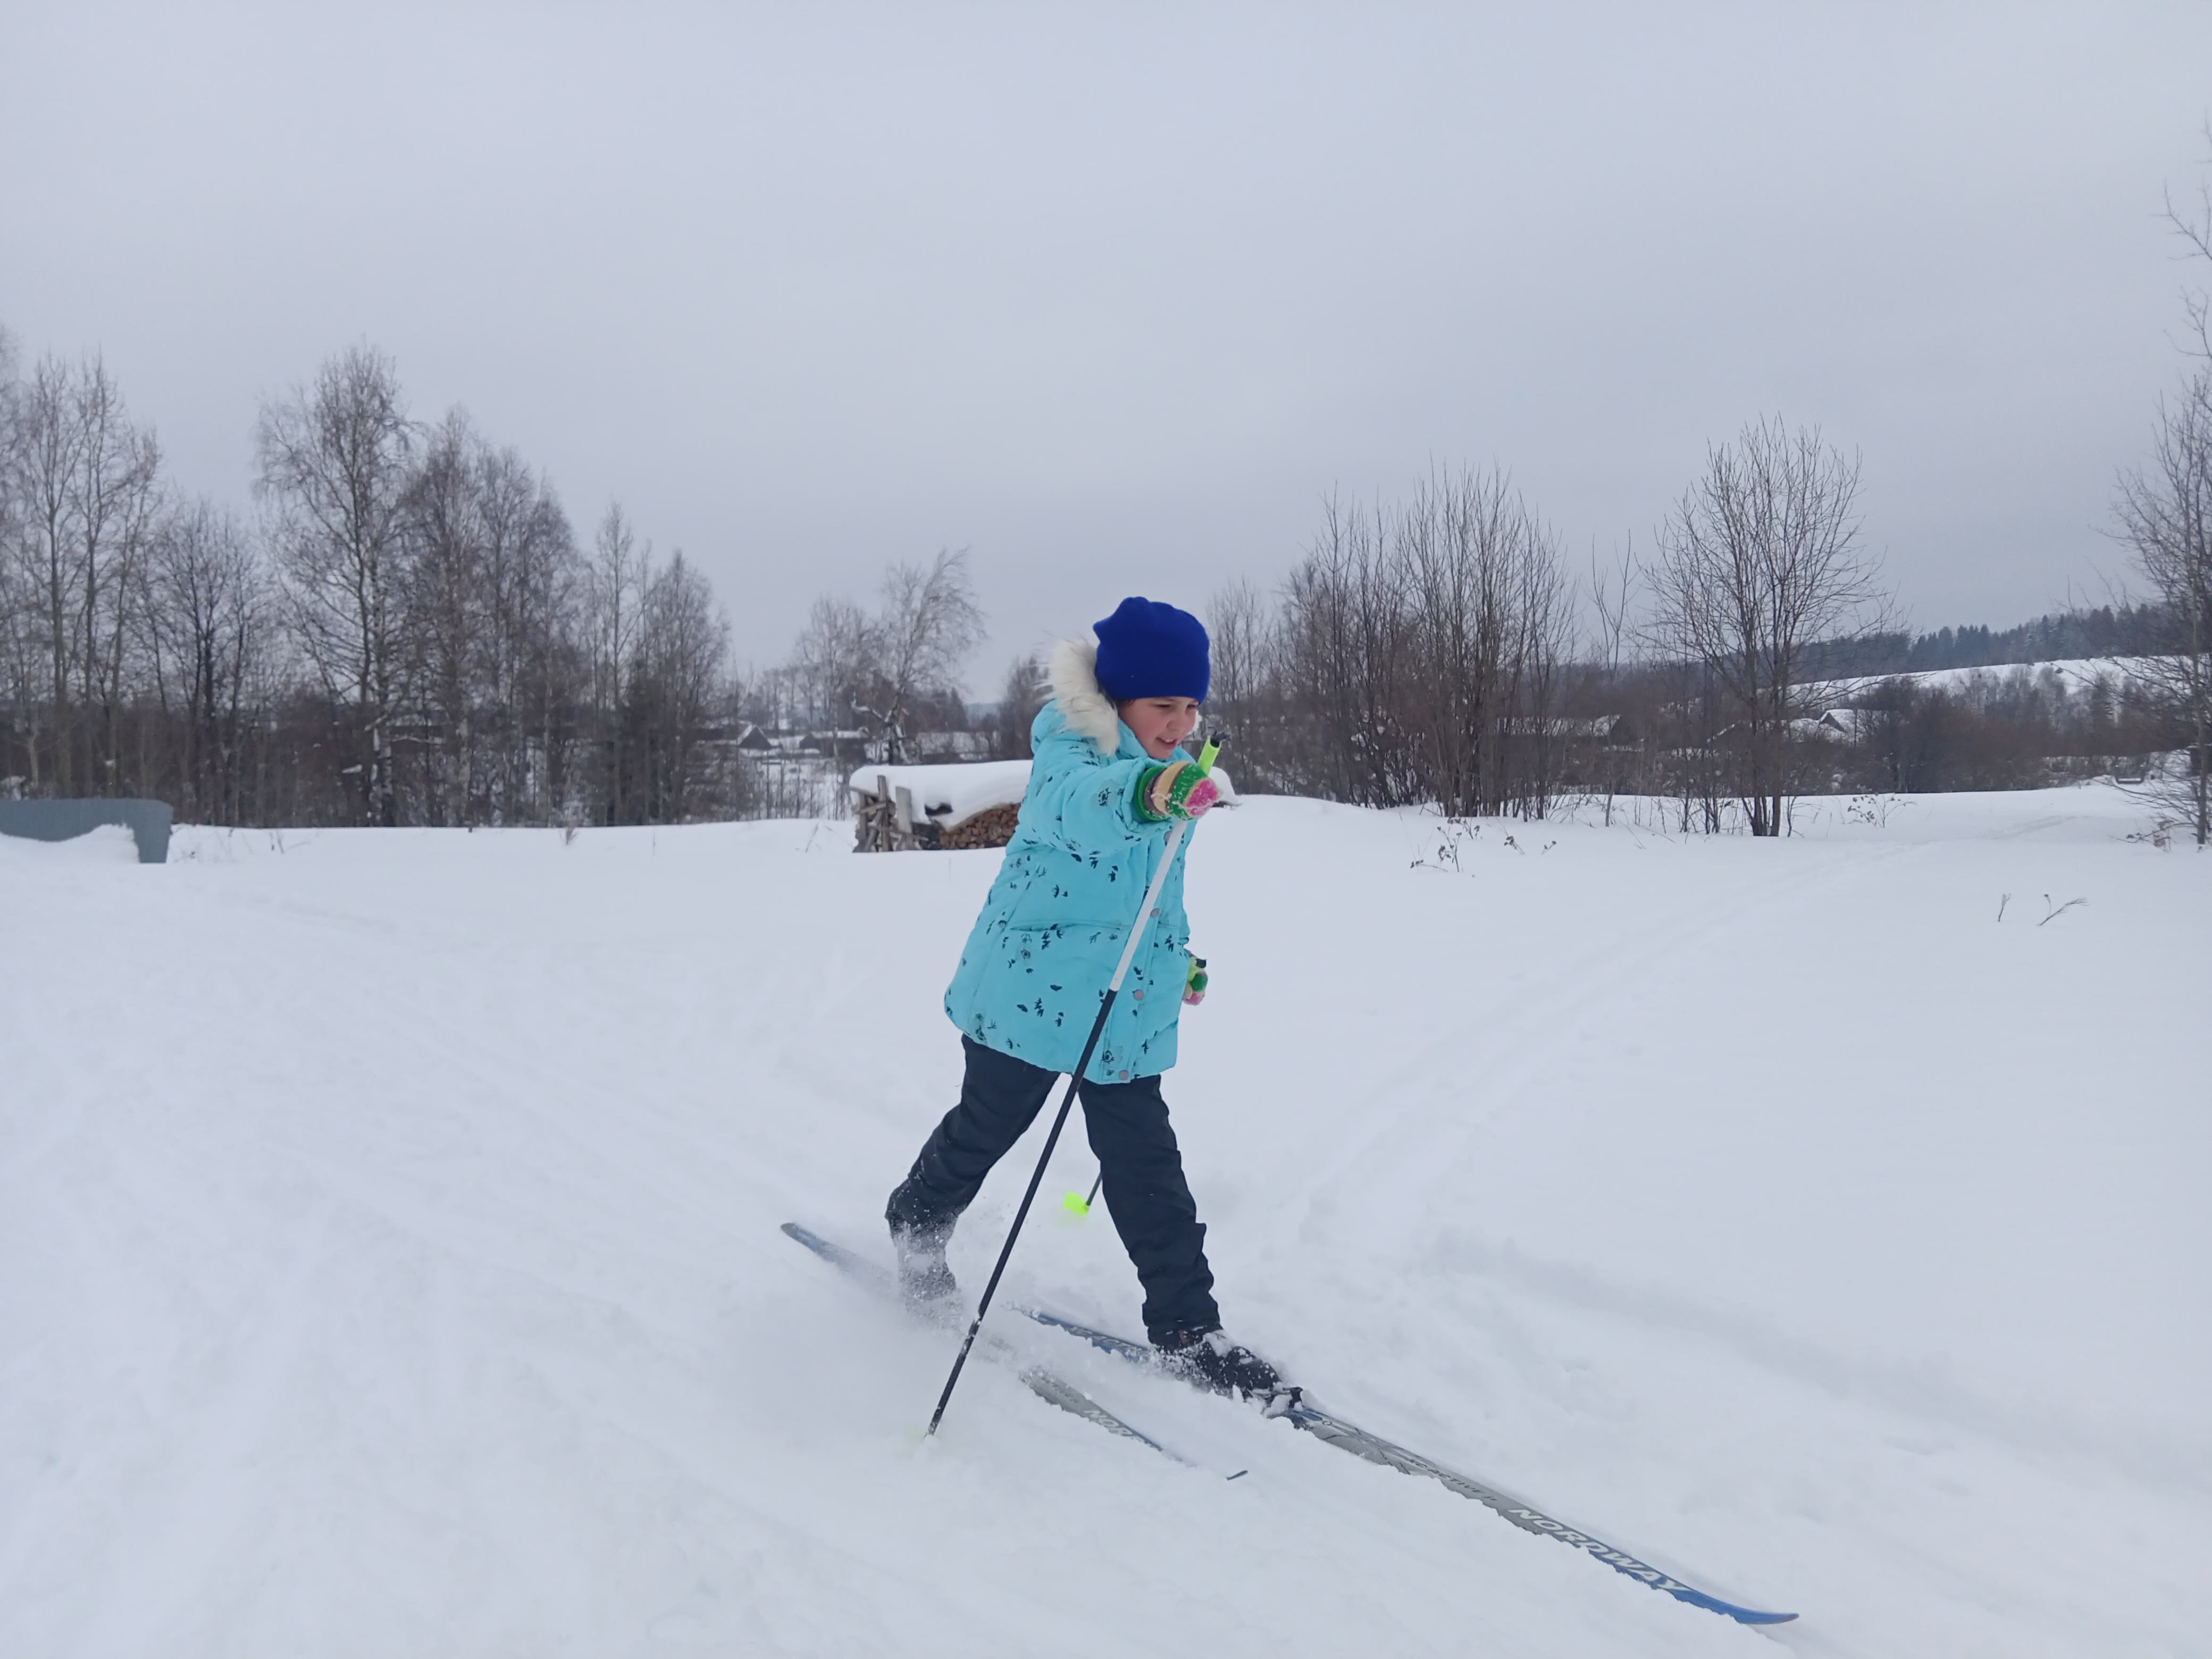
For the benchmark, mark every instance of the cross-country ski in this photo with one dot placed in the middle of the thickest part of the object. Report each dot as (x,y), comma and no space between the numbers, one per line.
(879,1281)
(1361,1443)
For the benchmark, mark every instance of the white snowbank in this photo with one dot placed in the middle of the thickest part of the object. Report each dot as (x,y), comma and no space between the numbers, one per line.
(391,1262)
(111,843)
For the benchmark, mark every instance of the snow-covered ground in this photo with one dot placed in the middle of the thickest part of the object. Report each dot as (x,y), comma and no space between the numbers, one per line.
(389,1261)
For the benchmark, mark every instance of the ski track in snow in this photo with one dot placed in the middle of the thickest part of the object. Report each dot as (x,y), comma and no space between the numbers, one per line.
(389,1261)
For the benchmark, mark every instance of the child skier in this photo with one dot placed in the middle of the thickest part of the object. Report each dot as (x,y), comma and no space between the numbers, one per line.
(1107,781)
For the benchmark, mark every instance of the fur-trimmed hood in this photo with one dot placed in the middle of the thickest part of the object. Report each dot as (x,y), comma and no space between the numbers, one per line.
(1089,712)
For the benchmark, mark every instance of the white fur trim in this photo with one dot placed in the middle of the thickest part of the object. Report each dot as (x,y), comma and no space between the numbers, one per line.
(1089,712)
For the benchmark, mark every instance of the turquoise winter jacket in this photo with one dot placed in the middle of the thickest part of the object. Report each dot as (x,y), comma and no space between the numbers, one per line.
(1054,923)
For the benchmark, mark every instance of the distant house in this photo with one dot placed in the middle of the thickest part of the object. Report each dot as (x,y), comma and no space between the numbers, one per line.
(949,745)
(758,743)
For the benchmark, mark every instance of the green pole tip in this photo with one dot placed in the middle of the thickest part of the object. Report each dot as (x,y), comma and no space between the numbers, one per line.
(1073,1204)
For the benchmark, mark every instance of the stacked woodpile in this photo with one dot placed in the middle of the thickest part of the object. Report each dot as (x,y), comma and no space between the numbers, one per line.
(991,826)
(889,818)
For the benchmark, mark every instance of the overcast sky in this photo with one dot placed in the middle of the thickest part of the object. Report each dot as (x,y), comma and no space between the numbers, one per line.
(1113,295)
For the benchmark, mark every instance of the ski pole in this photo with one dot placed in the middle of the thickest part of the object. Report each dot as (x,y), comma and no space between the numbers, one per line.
(1205,759)
(1105,1007)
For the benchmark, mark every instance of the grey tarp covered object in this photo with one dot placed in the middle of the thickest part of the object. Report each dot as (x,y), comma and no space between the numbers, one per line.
(63,820)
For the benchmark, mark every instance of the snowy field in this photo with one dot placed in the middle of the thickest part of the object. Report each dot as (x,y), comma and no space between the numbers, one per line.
(389,1260)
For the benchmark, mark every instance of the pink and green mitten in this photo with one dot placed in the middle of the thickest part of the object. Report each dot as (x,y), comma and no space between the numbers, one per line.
(1178,789)
(1194,983)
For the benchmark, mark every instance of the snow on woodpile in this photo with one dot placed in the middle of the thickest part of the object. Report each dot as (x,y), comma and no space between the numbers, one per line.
(950,794)
(960,805)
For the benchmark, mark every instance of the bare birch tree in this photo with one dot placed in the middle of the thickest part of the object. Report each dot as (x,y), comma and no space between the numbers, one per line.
(1237,625)
(48,439)
(2164,511)
(1613,596)
(447,616)
(208,626)
(336,466)
(1416,655)
(1020,699)
(684,644)
(1341,638)
(1759,560)
(115,497)
(2193,225)
(614,612)
(928,624)
(1488,629)
(18,653)
(83,484)
(531,577)
(832,661)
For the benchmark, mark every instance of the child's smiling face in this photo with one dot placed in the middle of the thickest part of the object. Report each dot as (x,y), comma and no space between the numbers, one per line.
(1160,723)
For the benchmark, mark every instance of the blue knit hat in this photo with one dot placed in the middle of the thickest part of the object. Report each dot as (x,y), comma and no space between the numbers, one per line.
(1149,649)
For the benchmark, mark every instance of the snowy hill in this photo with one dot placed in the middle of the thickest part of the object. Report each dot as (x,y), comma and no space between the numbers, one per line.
(390,1261)
(2077,673)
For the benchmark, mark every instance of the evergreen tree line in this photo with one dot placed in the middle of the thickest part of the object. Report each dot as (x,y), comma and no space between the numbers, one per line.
(2107,630)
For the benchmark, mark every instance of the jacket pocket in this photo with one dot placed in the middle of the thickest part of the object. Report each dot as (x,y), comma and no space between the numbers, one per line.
(1078,898)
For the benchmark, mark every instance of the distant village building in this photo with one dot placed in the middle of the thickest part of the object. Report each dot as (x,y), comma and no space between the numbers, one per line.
(949,745)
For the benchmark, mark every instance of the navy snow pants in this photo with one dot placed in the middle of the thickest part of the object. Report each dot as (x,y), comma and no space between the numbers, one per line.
(1135,1145)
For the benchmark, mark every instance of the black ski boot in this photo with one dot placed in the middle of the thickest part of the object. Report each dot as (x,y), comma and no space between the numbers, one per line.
(924,1279)
(1211,1361)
